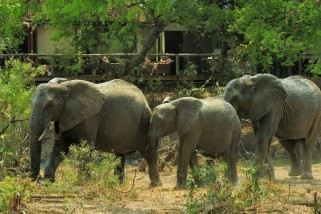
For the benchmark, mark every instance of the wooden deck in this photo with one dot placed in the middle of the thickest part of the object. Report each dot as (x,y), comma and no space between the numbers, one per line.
(164,78)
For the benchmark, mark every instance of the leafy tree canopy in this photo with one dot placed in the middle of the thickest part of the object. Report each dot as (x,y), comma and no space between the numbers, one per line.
(263,32)
(12,14)
(278,31)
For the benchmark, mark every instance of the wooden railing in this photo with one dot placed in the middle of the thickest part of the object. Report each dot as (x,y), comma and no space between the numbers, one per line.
(177,58)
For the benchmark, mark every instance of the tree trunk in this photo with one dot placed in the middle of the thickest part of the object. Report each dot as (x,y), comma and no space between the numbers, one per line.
(137,61)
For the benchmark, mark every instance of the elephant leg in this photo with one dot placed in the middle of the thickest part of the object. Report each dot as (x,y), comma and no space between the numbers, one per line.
(232,163)
(270,167)
(186,150)
(55,158)
(318,149)
(266,129)
(293,149)
(193,163)
(119,169)
(306,159)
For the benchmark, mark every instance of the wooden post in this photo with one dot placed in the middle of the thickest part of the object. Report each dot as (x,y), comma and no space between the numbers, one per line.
(52,66)
(177,64)
(300,67)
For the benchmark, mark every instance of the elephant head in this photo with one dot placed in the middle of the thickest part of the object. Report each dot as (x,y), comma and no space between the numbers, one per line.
(175,116)
(67,103)
(254,96)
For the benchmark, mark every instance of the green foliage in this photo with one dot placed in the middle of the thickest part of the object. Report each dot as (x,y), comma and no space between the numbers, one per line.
(12,13)
(84,167)
(219,89)
(91,165)
(14,192)
(113,26)
(278,31)
(153,88)
(221,197)
(16,88)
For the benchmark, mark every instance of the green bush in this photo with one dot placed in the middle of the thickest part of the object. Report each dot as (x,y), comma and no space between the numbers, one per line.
(220,196)
(16,88)
(91,165)
(14,191)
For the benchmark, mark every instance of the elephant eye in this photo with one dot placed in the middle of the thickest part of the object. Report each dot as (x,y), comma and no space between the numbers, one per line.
(50,104)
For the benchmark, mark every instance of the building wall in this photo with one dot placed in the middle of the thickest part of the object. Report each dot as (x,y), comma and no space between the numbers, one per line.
(45,44)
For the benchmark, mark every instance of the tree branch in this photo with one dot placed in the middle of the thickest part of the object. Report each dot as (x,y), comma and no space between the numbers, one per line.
(12,121)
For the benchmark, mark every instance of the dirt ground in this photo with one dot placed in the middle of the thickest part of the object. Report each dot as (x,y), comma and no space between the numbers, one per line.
(297,196)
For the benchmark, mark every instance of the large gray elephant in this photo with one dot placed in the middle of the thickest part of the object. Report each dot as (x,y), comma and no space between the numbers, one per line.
(209,125)
(114,115)
(289,109)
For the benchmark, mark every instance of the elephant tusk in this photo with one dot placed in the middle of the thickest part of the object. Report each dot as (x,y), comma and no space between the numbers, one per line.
(43,133)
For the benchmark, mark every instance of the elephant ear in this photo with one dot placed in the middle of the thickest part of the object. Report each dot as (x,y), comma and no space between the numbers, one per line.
(187,112)
(267,92)
(82,102)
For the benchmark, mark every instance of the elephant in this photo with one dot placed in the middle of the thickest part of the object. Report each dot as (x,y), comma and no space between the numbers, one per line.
(113,115)
(288,108)
(209,125)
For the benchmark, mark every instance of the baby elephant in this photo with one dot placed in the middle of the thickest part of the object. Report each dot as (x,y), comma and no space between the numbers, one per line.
(209,125)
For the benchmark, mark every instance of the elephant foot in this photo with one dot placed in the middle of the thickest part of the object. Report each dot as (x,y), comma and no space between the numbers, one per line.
(181,181)
(48,175)
(156,183)
(121,179)
(234,182)
(180,186)
(307,176)
(35,177)
(295,172)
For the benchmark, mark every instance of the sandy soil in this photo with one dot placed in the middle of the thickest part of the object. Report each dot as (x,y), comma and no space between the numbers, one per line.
(297,197)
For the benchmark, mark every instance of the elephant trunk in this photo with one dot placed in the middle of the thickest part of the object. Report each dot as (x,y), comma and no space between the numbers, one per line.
(37,130)
(153,144)
(227,97)
(153,168)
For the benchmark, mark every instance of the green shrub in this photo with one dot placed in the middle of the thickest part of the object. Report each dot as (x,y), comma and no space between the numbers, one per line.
(16,88)
(219,196)
(14,191)
(91,165)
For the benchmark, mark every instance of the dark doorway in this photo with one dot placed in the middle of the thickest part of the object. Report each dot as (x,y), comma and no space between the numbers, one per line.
(173,41)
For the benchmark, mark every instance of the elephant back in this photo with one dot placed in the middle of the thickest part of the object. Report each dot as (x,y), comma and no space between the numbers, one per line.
(221,113)
(301,108)
(303,94)
(125,105)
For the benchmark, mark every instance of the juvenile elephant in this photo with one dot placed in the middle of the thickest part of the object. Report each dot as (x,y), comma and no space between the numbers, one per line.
(208,125)
(289,109)
(114,115)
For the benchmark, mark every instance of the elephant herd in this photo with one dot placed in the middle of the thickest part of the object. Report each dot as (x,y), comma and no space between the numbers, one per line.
(115,115)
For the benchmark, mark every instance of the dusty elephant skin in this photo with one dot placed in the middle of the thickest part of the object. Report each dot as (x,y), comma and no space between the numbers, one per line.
(289,109)
(209,125)
(114,115)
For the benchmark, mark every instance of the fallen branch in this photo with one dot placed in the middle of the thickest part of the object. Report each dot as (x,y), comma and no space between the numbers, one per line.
(53,196)
(303,203)
(125,192)
(12,121)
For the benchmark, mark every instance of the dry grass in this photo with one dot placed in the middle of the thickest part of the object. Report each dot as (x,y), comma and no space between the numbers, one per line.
(296,196)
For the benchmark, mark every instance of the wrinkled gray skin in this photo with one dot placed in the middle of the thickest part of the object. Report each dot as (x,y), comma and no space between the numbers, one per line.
(289,109)
(208,125)
(115,115)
